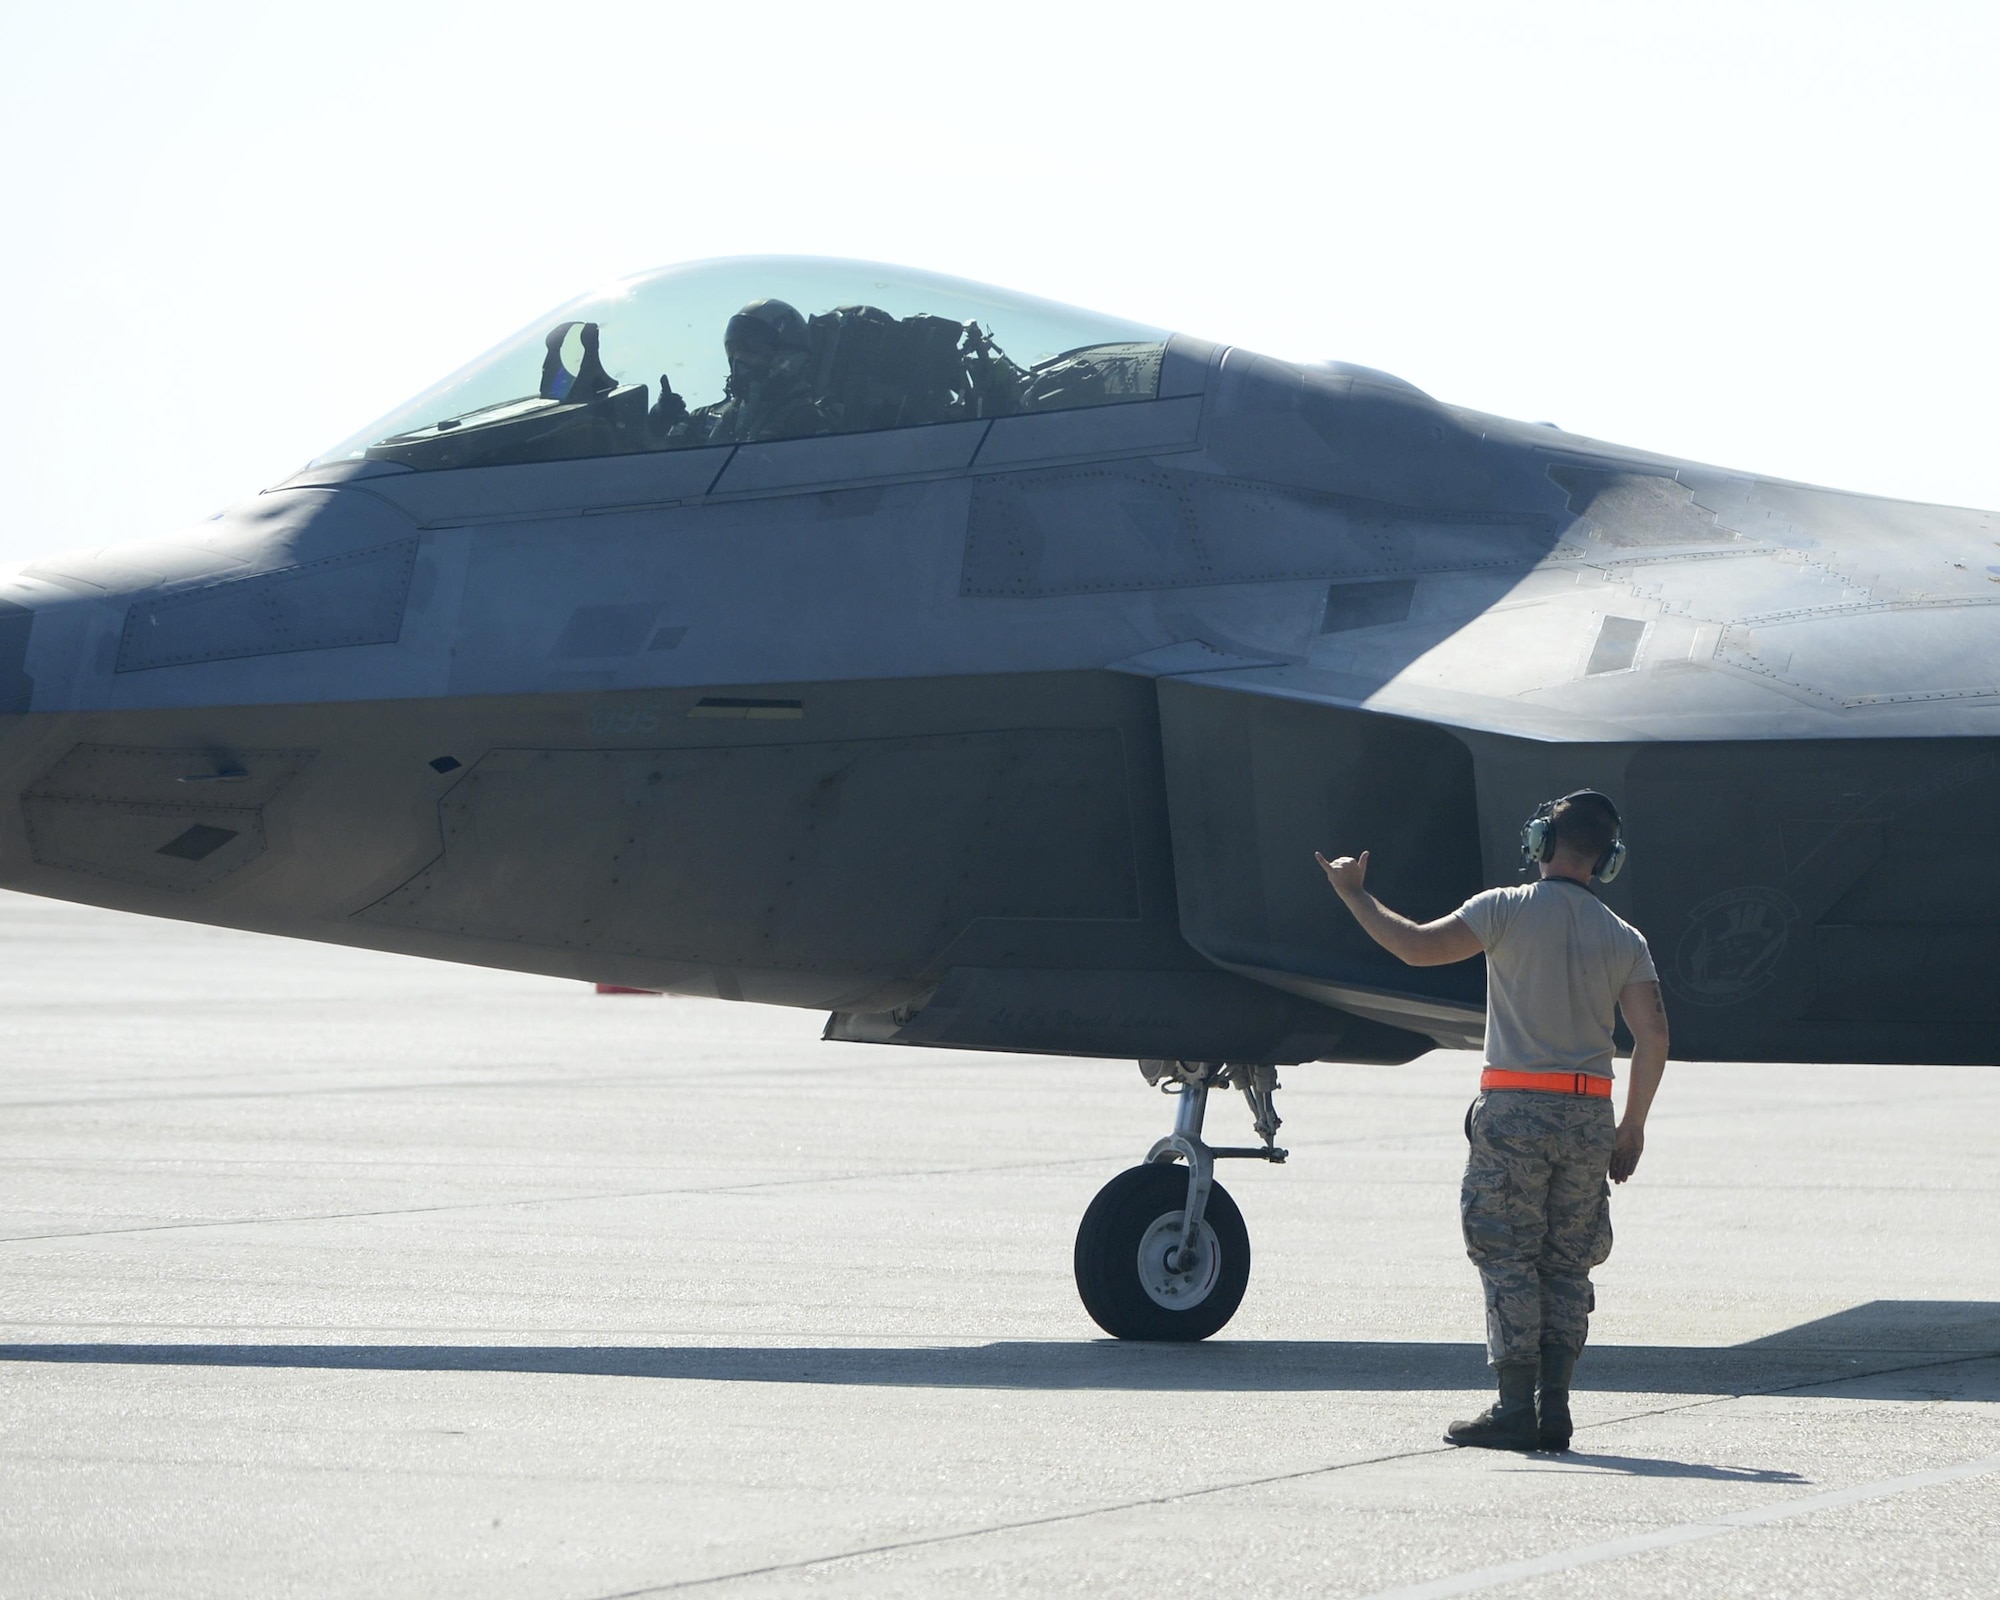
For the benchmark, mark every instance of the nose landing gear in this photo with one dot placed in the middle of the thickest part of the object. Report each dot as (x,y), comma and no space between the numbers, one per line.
(1162,1255)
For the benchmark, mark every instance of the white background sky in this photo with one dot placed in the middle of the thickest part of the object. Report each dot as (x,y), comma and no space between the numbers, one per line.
(1762,235)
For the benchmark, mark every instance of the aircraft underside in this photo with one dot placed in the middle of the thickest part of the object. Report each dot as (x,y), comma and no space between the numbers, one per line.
(1072,863)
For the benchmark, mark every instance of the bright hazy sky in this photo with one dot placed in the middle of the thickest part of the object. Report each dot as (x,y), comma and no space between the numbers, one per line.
(1761,235)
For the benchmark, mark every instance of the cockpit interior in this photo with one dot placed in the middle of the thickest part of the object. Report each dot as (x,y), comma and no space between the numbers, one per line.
(750,350)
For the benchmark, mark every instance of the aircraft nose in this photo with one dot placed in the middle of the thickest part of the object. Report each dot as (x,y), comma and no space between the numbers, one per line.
(120,785)
(246,600)
(60,622)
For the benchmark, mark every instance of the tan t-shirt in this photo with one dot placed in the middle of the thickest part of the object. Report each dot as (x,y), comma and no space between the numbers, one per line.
(1556,959)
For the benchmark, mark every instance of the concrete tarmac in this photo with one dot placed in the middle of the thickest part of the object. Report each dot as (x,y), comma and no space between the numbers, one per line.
(324,1273)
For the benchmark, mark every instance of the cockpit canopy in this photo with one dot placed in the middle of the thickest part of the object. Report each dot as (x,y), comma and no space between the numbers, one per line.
(813,347)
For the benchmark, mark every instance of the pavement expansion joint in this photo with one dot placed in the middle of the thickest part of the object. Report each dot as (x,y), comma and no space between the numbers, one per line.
(1056,1519)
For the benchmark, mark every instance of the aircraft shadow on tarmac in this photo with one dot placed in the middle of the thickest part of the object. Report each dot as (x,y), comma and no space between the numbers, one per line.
(1880,1350)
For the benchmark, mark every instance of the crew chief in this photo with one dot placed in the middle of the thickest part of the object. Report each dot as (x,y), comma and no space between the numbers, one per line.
(1535,1205)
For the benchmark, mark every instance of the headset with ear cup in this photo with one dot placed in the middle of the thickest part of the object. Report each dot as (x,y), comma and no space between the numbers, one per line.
(1538,836)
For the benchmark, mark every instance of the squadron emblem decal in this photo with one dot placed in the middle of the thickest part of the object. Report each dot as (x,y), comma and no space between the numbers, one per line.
(1732,946)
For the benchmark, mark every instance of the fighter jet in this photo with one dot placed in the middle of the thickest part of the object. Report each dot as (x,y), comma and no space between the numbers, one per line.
(985,673)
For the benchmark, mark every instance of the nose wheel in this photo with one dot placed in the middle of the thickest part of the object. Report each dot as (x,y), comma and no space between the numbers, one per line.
(1162,1252)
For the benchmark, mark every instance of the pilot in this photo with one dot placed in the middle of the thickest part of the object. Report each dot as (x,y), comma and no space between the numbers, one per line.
(1534,1204)
(768,395)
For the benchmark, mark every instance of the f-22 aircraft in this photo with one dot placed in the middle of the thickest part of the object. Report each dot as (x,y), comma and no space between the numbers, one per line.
(985,673)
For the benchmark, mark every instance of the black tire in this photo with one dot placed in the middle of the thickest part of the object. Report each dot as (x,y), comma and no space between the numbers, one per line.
(1107,1256)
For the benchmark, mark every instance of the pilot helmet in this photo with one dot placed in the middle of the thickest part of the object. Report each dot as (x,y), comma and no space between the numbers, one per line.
(764,341)
(767,327)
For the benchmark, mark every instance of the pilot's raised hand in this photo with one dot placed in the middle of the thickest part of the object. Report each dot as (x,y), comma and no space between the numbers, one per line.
(670,408)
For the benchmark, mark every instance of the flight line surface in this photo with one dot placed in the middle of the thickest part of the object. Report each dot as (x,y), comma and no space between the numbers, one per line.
(327,1273)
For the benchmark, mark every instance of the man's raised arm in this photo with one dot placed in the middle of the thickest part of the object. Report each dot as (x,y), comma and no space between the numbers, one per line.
(1416,944)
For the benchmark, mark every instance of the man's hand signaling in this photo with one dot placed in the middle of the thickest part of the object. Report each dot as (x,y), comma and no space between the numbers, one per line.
(1431,945)
(1347,874)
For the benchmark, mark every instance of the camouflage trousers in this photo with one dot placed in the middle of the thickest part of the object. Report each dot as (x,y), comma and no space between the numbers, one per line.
(1536,1207)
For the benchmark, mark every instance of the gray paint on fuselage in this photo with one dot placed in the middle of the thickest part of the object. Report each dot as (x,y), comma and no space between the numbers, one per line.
(380,822)
(1113,527)
(334,602)
(1786,611)
(862,858)
(127,813)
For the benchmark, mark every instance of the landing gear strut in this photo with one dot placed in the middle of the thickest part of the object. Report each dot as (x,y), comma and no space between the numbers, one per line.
(1164,1255)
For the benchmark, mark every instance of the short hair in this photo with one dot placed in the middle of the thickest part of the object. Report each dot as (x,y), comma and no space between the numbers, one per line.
(1585,823)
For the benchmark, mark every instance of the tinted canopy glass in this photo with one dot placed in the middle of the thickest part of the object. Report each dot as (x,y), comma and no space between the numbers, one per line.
(738,351)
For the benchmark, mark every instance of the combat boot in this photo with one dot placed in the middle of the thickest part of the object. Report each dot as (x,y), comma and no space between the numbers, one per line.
(1552,1404)
(1509,1425)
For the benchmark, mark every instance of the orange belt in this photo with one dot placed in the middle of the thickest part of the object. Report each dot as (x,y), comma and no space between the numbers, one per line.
(1549,1082)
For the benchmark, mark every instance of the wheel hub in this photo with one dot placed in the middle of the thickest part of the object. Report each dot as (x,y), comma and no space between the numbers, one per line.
(1176,1279)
